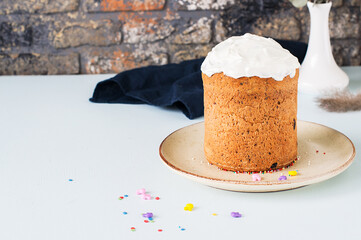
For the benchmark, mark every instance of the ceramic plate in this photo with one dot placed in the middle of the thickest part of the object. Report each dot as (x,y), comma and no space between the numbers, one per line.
(323,153)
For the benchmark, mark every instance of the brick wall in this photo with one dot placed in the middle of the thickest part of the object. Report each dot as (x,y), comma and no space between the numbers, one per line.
(106,36)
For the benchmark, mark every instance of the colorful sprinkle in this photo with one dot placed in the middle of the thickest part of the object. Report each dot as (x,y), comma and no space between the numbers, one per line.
(236,214)
(132,229)
(157,198)
(316,151)
(121,198)
(263,172)
(146,196)
(148,215)
(70,180)
(282,178)
(292,173)
(146,221)
(125,213)
(214,214)
(125,195)
(160,230)
(140,191)
(256,177)
(188,207)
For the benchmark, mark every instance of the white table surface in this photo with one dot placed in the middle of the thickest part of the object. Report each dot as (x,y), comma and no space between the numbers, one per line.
(50,133)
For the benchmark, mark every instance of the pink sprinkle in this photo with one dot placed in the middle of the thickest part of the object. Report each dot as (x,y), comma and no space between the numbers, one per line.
(146,197)
(256,177)
(140,191)
(157,198)
(160,230)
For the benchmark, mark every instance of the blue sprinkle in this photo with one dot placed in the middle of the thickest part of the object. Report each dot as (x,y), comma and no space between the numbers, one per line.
(70,180)
(182,229)
(125,195)
(150,219)
(125,213)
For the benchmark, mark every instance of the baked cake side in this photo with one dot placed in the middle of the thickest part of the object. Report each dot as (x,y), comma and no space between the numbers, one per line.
(250,122)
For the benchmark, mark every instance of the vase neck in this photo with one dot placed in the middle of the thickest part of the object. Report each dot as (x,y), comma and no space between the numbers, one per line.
(319,29)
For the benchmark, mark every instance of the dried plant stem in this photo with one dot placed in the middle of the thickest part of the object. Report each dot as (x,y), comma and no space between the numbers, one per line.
(341,102)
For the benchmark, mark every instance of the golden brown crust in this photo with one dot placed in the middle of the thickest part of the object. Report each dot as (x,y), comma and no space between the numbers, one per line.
(250,122)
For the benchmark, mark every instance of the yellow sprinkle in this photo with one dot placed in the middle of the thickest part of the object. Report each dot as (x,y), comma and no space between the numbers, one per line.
(214,214)
(292,173)
(188,207)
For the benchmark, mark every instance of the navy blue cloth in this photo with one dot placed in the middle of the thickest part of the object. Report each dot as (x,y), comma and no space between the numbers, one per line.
(177,85)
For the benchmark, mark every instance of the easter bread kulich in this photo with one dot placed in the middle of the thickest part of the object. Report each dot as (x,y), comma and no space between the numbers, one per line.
(250,104)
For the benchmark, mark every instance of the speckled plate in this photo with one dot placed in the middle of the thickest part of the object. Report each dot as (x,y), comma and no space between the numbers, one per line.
(323,153)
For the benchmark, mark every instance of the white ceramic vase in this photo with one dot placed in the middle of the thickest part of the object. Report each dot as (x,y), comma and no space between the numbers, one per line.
(319,72)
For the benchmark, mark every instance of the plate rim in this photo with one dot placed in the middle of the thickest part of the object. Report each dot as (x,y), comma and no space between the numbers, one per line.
(301,182)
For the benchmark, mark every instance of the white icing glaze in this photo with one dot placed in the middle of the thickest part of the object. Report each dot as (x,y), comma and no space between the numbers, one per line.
(250,55)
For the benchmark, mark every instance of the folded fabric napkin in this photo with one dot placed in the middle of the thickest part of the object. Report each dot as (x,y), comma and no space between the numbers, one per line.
(173,84)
